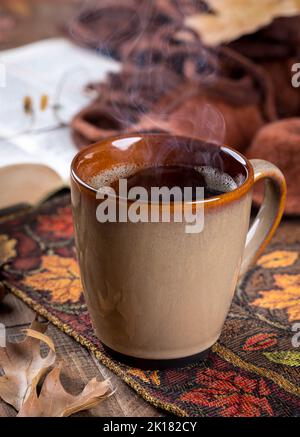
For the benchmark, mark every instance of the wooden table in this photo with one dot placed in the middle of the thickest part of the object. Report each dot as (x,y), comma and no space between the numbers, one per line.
(35,20)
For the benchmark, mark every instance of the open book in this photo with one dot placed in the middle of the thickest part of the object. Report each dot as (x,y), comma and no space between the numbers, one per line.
(42,86)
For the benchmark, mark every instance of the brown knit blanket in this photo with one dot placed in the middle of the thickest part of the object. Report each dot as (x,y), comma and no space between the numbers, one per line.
(170,82)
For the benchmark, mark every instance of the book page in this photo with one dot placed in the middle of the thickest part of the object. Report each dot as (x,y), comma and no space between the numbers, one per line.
(12,154)
(54,148)
(52,74)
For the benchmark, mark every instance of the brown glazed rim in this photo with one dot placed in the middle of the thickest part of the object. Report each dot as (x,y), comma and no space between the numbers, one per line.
(220,200)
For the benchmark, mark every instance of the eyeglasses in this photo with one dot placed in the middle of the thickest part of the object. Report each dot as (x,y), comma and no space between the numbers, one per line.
(27,107)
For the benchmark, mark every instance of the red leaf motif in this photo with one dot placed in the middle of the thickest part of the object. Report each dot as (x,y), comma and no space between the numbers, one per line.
(25,264)
(27,246)
(260,341)
(211,373)
(263,388)
(233,394)
(66,251)
(59,225)
(245,384)
(28,252)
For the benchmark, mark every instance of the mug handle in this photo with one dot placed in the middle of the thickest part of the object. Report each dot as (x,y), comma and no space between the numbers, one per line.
(269,214)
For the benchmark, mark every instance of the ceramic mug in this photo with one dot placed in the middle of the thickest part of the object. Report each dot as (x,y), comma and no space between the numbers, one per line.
(157,295)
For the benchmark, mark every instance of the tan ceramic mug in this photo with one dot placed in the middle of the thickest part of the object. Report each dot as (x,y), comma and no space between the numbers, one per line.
(155,293)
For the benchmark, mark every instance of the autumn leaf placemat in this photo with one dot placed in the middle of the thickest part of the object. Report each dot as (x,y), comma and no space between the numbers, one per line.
(253,370)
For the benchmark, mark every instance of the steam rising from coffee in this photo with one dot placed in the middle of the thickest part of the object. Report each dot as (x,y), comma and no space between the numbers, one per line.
(156,54)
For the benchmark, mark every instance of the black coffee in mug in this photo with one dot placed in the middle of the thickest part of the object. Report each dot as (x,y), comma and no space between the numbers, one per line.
(213,180)
(180,176)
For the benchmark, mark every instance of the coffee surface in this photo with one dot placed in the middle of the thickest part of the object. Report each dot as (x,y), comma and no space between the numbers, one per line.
(171,176)
(214,181)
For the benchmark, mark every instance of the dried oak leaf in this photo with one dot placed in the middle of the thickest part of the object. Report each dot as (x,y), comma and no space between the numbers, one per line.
(233,18)
(24,366)
(54,401)
(17,7)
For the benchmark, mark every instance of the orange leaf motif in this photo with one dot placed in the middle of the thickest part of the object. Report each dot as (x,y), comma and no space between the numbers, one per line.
(279,258)
(58,276)
(139,374)
(152,376)
(155,378)
(7,248)
(286,297)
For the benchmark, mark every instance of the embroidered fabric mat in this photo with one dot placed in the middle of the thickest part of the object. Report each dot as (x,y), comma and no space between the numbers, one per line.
(253,370)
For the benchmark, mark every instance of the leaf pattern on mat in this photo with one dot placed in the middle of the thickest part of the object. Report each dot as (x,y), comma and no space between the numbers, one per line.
(231,388)
(286,297)
(57,226)
(7,248)
(146,377)
(278,258)
(263,340)
(288,358)
(233,394)
(59,276)
(28,252)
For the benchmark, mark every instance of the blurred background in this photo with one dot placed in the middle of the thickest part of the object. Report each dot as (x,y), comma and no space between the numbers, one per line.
(84,70)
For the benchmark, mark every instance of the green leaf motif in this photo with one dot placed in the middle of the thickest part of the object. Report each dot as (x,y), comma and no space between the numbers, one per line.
(288,358)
